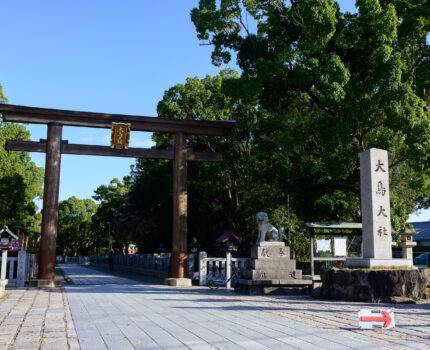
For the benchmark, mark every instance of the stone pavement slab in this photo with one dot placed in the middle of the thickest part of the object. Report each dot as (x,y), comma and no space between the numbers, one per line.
(112,312)
(33,318)
(101,311)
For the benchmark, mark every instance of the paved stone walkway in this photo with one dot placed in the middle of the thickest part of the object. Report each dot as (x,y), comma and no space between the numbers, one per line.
(118,313)
(100,311)
(36,319)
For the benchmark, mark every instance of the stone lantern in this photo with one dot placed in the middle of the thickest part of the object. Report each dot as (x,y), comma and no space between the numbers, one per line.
(407,243)
(227,237)
(161,250)
(5,244)
(193,246)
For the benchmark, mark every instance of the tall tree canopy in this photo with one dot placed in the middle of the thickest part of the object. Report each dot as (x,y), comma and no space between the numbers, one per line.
(338,83)
(221,196)
(114,208)
(75,226)
(3,98)
(20,180)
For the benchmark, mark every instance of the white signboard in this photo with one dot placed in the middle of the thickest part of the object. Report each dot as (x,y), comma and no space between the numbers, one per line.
(368,319)
(323,245)
(339,246)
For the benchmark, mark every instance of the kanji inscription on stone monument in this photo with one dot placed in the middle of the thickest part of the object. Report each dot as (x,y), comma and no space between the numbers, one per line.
(375,204)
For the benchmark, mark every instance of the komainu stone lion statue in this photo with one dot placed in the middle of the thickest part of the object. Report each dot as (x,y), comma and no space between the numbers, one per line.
(266,229)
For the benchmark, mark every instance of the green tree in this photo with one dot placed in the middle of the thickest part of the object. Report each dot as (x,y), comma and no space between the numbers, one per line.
(20,180)
(338,83)
(75,226)
(224,195)
(113,208)
(3,98)
(150,203)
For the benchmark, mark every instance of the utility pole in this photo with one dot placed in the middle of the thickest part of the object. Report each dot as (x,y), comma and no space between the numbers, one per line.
(109,237)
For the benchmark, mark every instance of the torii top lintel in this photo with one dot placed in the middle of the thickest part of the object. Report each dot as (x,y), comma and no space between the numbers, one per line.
(34,115)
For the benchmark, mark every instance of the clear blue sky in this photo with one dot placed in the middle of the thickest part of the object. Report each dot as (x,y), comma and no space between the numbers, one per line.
(101,56)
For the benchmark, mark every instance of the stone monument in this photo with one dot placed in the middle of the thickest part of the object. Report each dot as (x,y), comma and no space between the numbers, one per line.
(375,211)
(270,268)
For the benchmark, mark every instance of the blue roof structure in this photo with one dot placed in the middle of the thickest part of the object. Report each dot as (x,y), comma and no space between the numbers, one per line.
(423,229)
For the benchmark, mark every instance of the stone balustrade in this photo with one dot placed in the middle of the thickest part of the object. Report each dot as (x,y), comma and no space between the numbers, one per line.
(155,265)
(215,267)
(20,269)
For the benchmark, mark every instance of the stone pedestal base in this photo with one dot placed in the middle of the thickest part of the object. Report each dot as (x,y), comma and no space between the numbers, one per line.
(374,285)
(271,261)
(270,271)
(46,283)
(369,263)
(178,282)
(264,287)
(3,284)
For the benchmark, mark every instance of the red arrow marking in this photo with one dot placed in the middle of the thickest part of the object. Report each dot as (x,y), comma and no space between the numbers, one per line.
(386,319)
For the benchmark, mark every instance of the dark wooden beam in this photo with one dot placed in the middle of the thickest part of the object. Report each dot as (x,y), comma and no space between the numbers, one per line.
(89,150)
(22,114)
(203,156)
(25,146)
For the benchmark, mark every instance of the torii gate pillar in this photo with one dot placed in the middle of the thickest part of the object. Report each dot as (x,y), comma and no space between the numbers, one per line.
(179,241)
(51,189)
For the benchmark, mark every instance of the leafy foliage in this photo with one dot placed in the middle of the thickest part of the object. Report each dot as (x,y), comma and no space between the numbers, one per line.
(338,83)
(20,180)
(113,208)
(151,204)
(221,196)
(75,226)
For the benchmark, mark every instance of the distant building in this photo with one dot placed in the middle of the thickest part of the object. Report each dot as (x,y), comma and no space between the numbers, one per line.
(130,250)
(423,236)
(227,235)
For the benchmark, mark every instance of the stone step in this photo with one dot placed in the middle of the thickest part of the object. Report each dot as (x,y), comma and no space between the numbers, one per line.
(266,274)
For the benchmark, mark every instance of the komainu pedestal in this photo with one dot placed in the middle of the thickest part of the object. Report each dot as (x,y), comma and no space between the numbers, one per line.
(271,261)
(270,270)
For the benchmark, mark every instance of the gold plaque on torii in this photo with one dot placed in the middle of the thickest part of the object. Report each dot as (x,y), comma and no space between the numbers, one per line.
(120,135)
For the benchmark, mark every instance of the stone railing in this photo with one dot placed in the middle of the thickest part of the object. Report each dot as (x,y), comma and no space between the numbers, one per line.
(216,267)
(83,260)
(11,272)
(155,265)
(20,269)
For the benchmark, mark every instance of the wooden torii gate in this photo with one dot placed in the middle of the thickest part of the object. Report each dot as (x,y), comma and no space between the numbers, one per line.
(54,146)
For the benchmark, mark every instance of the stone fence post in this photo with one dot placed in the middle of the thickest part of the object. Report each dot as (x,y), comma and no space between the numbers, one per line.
(228,269)
(190,265)
(203,270)
(21,270)
(3,264)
